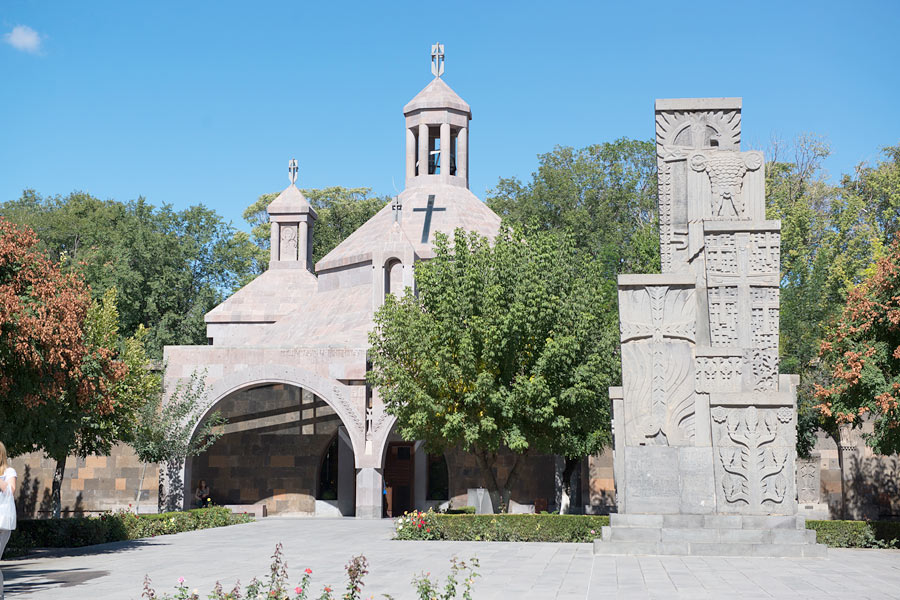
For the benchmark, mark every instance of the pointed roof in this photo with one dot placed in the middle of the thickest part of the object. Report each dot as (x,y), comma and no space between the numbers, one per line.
(437,94)
(452,207)
(290,201)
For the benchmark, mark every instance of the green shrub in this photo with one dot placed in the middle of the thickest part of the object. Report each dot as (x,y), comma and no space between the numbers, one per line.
(500,528)
(113,527)
(465,510)
(856,534)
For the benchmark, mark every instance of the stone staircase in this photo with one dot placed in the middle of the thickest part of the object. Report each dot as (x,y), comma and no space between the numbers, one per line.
(708,535)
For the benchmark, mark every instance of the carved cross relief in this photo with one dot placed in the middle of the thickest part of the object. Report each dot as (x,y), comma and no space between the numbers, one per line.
(736,280)
(657,350)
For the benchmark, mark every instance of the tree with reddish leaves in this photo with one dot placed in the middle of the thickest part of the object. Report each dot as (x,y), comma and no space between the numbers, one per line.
(862,353)
(61,374)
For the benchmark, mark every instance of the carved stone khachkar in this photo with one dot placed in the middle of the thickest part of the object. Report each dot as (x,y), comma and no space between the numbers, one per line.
(704,426)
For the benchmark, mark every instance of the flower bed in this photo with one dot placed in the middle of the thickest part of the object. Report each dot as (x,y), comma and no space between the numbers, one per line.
(113,527)
(499,528)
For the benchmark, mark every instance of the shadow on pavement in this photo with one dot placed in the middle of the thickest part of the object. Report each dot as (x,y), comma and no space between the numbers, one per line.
(23,578)
(108,548)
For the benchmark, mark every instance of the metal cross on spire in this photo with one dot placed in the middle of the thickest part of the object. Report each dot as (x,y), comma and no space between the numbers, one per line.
(437,59)
(292,170)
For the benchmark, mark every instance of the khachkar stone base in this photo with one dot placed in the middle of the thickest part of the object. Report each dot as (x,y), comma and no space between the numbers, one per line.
(709,535)
(704,426)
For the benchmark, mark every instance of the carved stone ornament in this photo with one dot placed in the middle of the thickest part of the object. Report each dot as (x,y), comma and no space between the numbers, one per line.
(657,327)
(289,242)
(754,458)
(726,172)
(678,133)
(808,481)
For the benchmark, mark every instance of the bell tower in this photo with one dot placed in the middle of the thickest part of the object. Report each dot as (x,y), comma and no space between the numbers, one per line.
(292,220)
(437,132)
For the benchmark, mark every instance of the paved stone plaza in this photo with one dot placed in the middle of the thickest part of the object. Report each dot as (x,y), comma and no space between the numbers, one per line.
(508,570)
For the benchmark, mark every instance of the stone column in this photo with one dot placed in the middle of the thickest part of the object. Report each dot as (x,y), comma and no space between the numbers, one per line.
(274,239)
(410,155)
(445,152)
(423,149)
(462,154)
(302,239)
(369,487)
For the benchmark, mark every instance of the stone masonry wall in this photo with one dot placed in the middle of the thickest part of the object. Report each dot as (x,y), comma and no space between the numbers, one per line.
(90,485)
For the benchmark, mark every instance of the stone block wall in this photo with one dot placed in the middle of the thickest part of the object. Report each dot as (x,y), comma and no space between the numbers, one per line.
(90,485)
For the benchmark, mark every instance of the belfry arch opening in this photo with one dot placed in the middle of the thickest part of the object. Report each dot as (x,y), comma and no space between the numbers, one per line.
(280,443)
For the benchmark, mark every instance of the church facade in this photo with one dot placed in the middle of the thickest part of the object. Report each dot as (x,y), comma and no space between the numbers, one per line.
(286,358)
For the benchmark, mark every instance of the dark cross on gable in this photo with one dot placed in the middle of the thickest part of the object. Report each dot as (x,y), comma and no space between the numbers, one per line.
(397,209)
(426,228)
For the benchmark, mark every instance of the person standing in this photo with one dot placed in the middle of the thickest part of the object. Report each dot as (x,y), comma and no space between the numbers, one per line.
(7,504)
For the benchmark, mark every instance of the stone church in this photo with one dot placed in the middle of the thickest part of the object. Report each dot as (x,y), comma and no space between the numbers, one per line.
(286,356)
(286,364)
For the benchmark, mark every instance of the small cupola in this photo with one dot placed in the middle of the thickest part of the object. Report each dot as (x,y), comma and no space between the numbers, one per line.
(437,132)
(292,220)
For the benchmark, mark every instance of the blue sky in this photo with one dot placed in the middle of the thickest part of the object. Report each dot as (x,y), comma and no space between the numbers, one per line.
(205,102)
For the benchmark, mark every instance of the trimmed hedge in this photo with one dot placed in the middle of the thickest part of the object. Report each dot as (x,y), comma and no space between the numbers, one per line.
(500,528)
(586,528)
(857,534)
(113,527)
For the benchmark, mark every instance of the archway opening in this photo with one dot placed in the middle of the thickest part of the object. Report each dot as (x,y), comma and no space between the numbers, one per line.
(278,445)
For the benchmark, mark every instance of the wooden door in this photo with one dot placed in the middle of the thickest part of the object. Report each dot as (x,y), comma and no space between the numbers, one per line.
(398,478)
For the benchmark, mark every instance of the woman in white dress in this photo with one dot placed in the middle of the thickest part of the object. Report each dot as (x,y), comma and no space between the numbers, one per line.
(7,504)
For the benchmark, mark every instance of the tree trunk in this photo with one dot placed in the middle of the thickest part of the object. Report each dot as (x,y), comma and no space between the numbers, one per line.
(486,461)
(565,496)
(500,492)
(137,497)
(511,479)
(57,486)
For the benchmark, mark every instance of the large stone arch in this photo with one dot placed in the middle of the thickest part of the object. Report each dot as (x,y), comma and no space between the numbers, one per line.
(334,393)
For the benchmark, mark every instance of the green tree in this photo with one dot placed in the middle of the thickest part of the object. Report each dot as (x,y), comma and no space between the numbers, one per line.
(862,352)
(830,240)
(169,267)
(165,432)
(604,195)
(341,211)
(504,347)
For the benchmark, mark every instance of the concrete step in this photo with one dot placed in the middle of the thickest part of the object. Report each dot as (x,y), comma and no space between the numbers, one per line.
(709,549)
(713,521)
(707,535)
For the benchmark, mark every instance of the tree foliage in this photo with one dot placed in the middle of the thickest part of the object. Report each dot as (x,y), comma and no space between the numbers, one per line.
(67,384)
(169,267)
(831,237)
(862,350)
(165,429)
(341,211)
(604,195)
(504,346)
